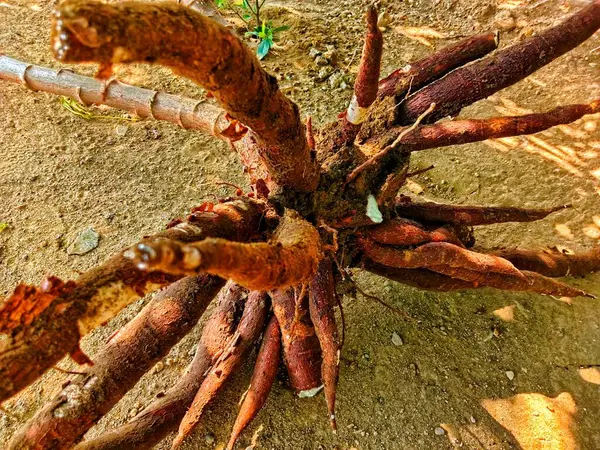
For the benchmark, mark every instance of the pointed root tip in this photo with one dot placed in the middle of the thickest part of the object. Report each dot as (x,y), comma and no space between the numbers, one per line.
(372,19)
(561,207)
(235,434)
(333,423)
(177,442)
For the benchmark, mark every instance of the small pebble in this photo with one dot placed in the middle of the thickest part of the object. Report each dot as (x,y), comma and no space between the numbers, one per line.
(85,242)
(510,375)
(313,53)
(324,73)
(472,419)
(336,79)
(396,339)
(321,61)
(504,20)
(439,431)
(414,187)
(121,130)
(209,438)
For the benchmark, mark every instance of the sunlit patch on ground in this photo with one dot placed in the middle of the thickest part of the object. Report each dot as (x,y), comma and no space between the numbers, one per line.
(471,435)
(564,230)
(507,313)
(590,374)
(537,422)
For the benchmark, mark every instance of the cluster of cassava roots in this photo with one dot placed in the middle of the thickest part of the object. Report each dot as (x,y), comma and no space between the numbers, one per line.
(321,202)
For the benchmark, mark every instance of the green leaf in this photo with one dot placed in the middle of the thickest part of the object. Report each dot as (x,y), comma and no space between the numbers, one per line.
(373,212)
(3,226)
(221,4)
(263,48)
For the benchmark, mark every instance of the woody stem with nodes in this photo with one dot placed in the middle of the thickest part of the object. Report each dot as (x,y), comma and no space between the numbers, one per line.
(323,201)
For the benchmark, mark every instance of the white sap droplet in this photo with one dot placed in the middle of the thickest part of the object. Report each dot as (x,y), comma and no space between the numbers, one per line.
(310,392)
(373,212)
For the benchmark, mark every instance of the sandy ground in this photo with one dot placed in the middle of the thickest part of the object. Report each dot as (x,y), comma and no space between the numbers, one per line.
(60,174)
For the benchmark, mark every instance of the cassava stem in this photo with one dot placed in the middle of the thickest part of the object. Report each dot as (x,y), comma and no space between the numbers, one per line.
(367,79)
(291,258)
(202,50)
(183,111)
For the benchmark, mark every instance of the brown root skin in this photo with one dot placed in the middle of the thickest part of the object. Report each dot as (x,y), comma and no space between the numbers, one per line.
(419,278)
(408,232)
(291,257)
(162,416)
(422,72)
(529,282)
(474,130)
(481,79)
(127,356)
(367,80)
(459,279)
(552,262)
(251,326)
(321,306)
(440,257)
(301,349)
(394,181)
(88,31)
(265,371)
(103,291)
(430,212)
